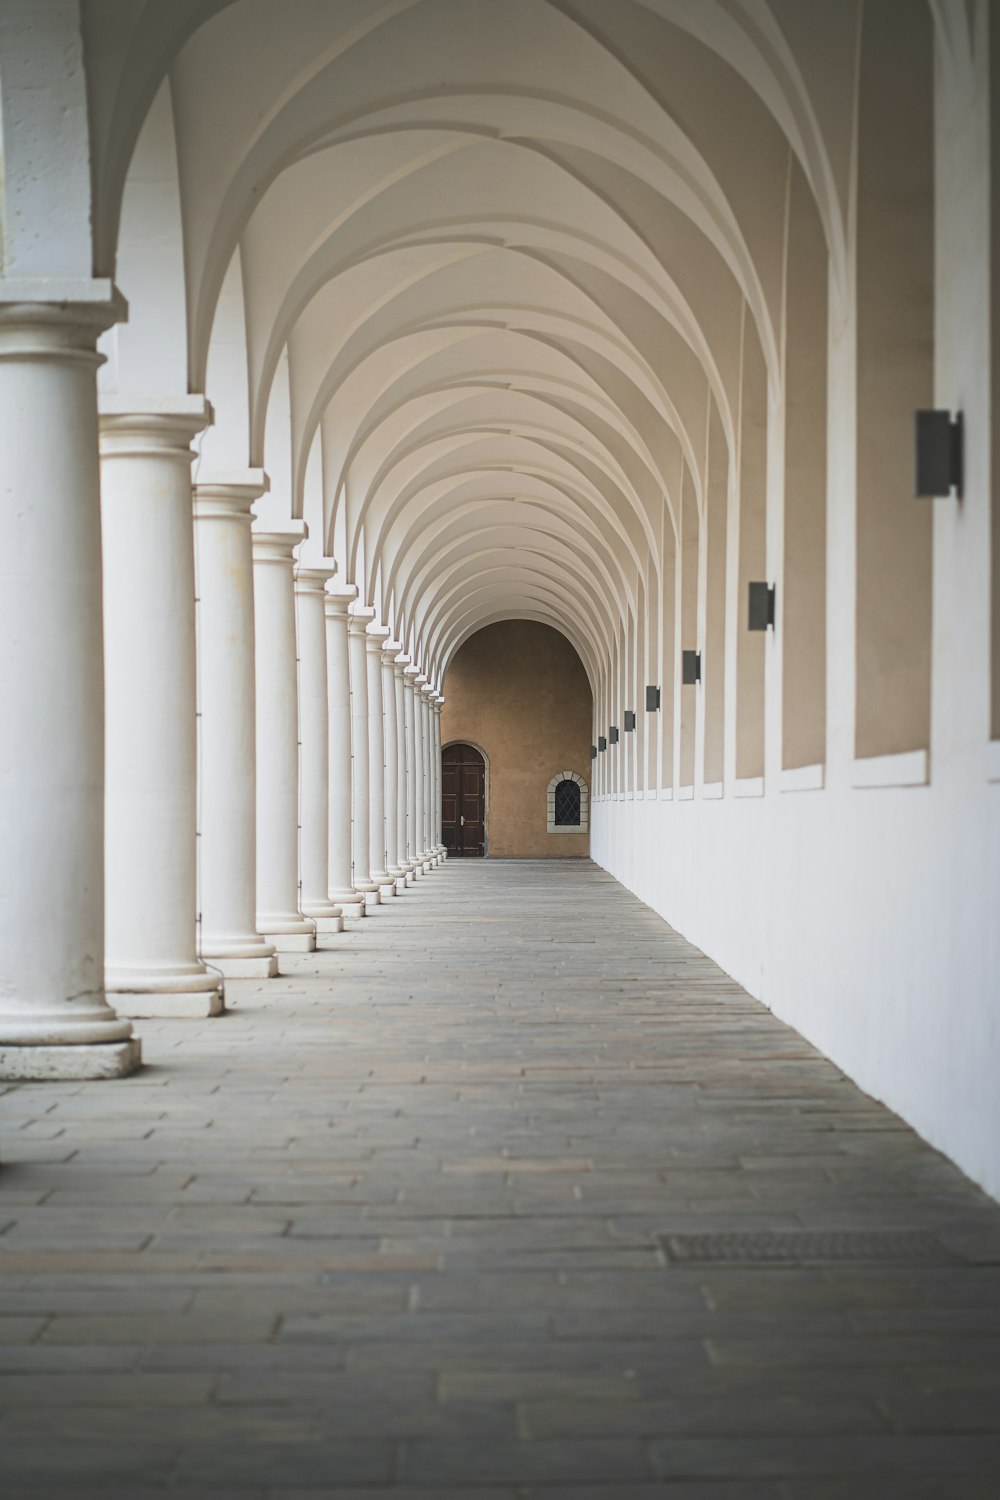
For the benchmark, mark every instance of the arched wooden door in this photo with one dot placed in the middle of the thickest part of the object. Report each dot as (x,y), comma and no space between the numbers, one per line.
(463,801)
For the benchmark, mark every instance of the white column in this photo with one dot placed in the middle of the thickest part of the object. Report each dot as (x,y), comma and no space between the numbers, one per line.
(277,717)
(410,675)
(390,650)
(426,694)
(314,750)
(399,666)
(227,847)
(375,638)
(54,1019)
(419,771)
(340,889)
(440,850)
(151,755)
(357,626)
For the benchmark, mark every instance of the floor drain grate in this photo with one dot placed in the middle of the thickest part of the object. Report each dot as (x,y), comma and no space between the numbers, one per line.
(889,1246)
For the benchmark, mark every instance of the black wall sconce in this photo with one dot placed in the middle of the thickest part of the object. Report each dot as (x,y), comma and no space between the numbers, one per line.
(613,735)
(593,752)
(629,721)
(690,667)
(602,743)
(937,453)
(760,614)
(652,699)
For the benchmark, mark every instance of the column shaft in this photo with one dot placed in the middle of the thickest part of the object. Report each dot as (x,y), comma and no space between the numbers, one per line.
(394,862)
(420,723)
(54,1019)
(226,700)
(314,750)
(429,798)
(402,805)
(410,698)
(360,767)
(151,961)
(436,768)
(375,637)
(340,889)
(277,727)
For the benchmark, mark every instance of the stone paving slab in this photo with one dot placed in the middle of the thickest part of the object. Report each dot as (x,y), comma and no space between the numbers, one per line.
(396,1225)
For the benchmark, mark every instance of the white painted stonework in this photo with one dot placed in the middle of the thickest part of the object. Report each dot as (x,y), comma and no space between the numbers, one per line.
(278,916)
(314,750)
(341,890)
(150,811)
(227,811)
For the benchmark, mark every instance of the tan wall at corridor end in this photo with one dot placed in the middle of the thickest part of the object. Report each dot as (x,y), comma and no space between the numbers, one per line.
(517,691)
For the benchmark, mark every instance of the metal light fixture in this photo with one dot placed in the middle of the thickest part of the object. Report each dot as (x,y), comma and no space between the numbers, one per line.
(760,614)
(629,721)
(652,699)
(602,743)
(690,667)
(938,455)
(613,735)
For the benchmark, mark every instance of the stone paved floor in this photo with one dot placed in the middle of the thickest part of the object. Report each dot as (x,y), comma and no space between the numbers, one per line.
(403,1223)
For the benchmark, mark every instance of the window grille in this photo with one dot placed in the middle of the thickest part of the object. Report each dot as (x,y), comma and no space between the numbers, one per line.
(567,805)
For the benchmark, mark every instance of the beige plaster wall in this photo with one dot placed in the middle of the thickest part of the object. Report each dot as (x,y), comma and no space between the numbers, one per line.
(518,691)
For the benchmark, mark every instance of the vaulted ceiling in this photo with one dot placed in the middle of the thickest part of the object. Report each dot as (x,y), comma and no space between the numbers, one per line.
(472,281)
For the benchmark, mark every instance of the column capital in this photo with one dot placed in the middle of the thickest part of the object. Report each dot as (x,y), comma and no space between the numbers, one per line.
(391,650)
(360,617)
(152,426)
(411,673)
(339,599)
(56,317)
(276,545)
(375,637)
(401,663)
(313,580)
(428,692)
(228,494)
(420,680)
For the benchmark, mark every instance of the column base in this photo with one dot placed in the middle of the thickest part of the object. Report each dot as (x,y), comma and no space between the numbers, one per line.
(288,933)
(292,942)
(185,990)
(246,968)
(410,877)
(324,915)
(373,899)
(327,926)
(387,890)
(167,1005)
(88,1060)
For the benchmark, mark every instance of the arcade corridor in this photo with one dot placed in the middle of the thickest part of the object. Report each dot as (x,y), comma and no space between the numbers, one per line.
(426,1216)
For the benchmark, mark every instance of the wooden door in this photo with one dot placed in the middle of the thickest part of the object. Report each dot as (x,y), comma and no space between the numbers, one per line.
(463,801)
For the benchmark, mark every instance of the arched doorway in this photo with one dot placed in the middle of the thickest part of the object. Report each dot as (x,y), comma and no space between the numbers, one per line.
(463,801)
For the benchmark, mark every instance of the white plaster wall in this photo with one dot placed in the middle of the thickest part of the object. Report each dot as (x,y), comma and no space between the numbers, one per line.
(866,919)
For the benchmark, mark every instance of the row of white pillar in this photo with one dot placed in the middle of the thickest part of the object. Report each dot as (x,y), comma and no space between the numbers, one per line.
(256,763)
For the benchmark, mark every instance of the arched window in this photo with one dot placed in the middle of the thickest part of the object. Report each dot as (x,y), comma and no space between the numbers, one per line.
(568,804)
